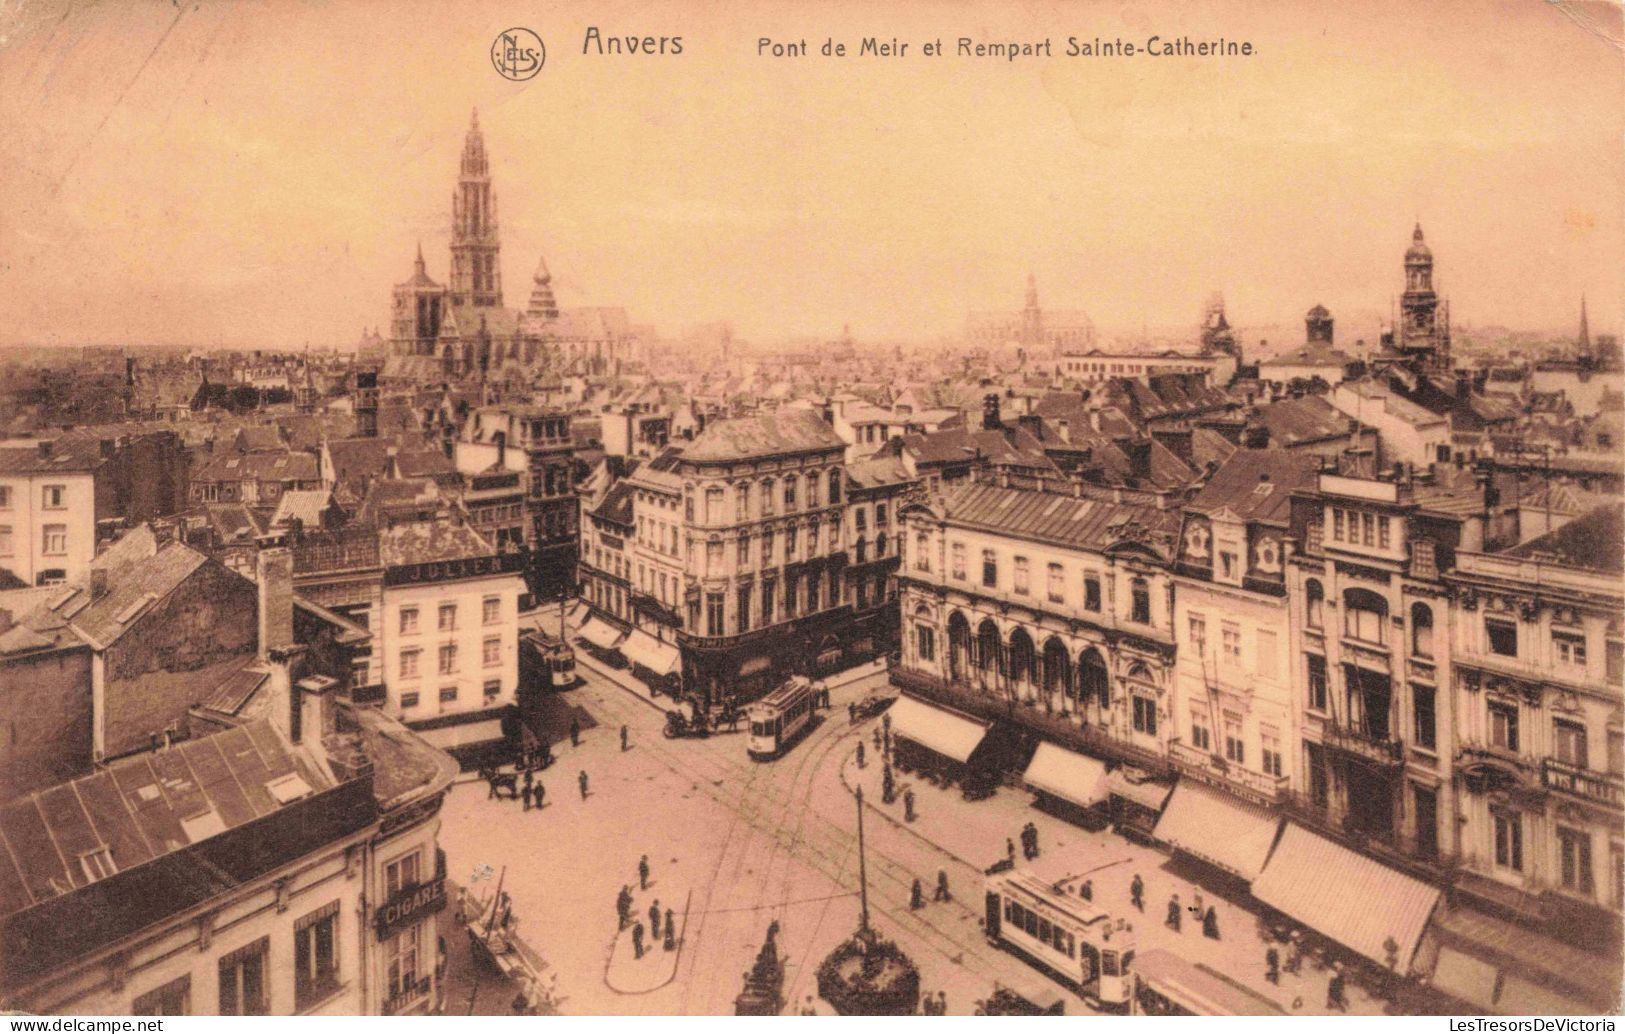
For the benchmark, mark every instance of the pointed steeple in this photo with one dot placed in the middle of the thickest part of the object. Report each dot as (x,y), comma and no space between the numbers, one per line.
(417,265)
(1583,342)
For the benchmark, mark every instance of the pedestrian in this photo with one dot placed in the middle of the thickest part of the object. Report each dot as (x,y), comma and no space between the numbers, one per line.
(524,796)
(908,805)
(671,933)
(1294,954)
(1034,833)
(1272,965)
(1210,923)
(941,893)
(851,713)
(1173,913)
(637,940)
(860,754)
(530,777)
(582,781)
(1010,850)
(623,737)
(885,742)
(1136,892)
(888,787)
(654,919)
(623,906)
(1196,902)
(876,737)
(1334,993)
(942,1003)
(916,896)
(575,732)
(643,873)
(538,792)
(1087,891)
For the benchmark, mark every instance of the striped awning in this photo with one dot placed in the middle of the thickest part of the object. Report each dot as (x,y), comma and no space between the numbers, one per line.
(1354,900)
(600,634)
(1076,778)
(949,734)
(642,648)
(1146,793)
(1218,828)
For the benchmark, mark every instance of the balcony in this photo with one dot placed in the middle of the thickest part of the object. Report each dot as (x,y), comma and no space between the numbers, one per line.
(1363,744)
(1599,787)
(1205,767)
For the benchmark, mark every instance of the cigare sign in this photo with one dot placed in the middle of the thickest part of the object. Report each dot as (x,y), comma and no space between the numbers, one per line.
(409,905)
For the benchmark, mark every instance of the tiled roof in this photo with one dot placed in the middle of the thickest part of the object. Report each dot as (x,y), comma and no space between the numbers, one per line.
(1256,484)
(1595,542)
(617,504)
(877,472)
(302,504)
(68,454)
(132,589)
(1057,517)
(1307,419)
(780,432)
(274,465)
(424,542)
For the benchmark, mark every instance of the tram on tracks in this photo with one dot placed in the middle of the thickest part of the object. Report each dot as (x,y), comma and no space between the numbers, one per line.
(1064,936)
(1167,985)
(780,718)
(558,662)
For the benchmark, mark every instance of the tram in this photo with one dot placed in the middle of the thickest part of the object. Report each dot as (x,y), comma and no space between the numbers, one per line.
(1063,935)
(558,662)
(779,719)
(1167,985)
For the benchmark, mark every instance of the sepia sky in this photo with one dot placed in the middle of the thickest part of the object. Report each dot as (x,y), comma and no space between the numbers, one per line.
(258,174)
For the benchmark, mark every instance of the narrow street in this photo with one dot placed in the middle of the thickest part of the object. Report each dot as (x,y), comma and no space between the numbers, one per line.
(735,844)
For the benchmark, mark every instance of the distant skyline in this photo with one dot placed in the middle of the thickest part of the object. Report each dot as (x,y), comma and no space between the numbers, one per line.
(258,176)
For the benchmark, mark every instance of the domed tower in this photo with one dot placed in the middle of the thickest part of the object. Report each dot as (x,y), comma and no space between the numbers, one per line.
(476,250)
(1421,332)
(543,306)
(1318,326)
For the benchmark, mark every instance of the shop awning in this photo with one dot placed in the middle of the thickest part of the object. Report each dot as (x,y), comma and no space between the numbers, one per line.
(1146,794)
(577,614)
(1218,828)
(1461,976)
(1201,989)
(1354,900)
(465,735)
(1520,997)
(600,634)
(1072,777)
(951,735)
(642,648)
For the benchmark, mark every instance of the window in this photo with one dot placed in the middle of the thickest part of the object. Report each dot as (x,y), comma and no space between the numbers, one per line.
(243,989)
(925,639)
(742,502)
(1422,712)
(713,506)
(1382,532)
(1141,607)
(1574,853)
(1337,525)
(1201,738)
(713,557)
(744,551)
(1364,613)
(491,652)
(922,552)
(990,569)
(448,694)
(1570,649)
(1509,840)
(1227,564)
(1266,653)
(1368,526)
(171,999)
(1091,592)
(1315,613)
(834,487)
(1421,630)
(1504,725)
(1270,742)
(713,613)
(409,700)
(448,659)
(1021,576)
(409,663)
(789,493)
(1198,637)
(688,508)
(53,497)
(1056,584)
(1614,653)
(448,617)
(6,544)
(814,583)
(860,519)
(767,601)
(1570,740)
(789,543)
(491,610)
(1616,752)
(55,539)
(767,546)
(880,514)
(743,609)
(492,689)
(1145,715)
(315,956)
(1234,749)
(5,497)
(1502,636)
(957,552)
(1317,682)
(769,504)
(1231,636)
(403,951)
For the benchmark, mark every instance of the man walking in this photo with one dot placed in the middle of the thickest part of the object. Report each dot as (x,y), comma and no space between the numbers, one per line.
(581,780)
(524,796)
(637,941)
(643,873)
(654,919)
(538,792)
(1087,891)
(1136,892)
(671,932)
(941,893)
(916,896)
(1272,965)
(575,732)
(1174,911)
(623,906)
(623,737)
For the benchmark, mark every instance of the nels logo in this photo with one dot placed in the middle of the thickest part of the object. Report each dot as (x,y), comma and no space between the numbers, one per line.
(518,54)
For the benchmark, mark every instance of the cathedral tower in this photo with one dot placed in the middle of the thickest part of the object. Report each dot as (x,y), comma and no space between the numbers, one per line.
(1423,331)
(476,251)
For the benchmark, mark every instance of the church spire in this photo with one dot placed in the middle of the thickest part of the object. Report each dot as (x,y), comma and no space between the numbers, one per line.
(476,274)
(1583,342)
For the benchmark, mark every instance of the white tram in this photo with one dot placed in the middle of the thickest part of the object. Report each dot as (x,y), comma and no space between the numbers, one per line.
(558,662)
(779,719)
(1064,935)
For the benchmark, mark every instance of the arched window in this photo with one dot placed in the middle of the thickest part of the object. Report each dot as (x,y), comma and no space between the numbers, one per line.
(1141,591)
(1057,666)
(959,648)
(834,487)
(1364,615)
(1093,680)
(1316,616)
(1021,657)
(989,648)
(767,496)
(1422,630)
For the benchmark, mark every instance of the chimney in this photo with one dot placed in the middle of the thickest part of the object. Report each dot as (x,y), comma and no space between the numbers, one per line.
(1064,428)
(273,571)
(98,582)
(1464,385)
(45,449)
(1256,436)
(312,714)
(1032,423)
(1139,455)
(1178,441)
(990,413)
